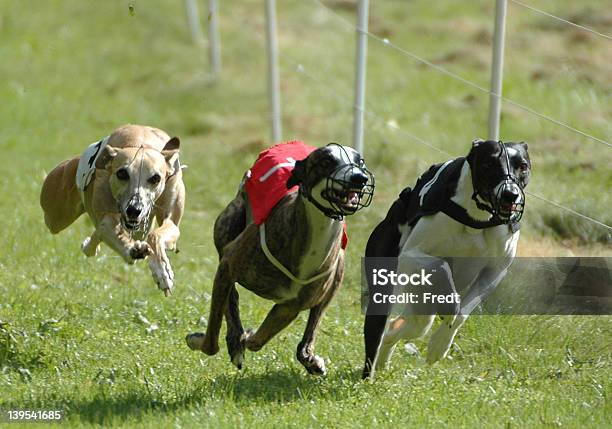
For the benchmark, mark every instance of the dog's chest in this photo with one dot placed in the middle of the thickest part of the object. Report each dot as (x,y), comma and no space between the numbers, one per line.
(491,243)
(321,240)
(468,245)
(320,243)
(439,236)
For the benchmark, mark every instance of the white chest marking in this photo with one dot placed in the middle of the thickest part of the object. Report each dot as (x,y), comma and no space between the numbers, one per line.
(323,232)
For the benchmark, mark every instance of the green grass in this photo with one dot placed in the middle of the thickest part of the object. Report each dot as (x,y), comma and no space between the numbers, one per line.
(74,332)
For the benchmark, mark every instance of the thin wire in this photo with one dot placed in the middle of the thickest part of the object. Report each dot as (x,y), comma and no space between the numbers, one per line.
(455,76)
(550,15)
(300,69)
(567,209)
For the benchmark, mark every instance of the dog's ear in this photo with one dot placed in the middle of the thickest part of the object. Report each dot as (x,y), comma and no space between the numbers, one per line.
(525,145)
(298,175)
(475,144)
(171,153)
(107,155)
(173,144)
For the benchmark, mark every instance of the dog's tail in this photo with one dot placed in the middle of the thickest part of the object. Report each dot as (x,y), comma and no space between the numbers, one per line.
(60,198)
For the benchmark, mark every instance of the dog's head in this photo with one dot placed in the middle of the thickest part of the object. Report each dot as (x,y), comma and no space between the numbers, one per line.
(335,179)
(500,173)
(137,178)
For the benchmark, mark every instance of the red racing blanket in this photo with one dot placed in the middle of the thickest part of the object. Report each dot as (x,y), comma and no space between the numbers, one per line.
(266,182)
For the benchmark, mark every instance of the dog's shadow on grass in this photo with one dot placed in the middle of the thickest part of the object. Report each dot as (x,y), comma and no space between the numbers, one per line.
(273,386)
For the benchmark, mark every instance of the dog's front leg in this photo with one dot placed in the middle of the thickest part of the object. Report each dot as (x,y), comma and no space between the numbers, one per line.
(441,340)
(305,350)
(164,237)
(112,233)
(277,319)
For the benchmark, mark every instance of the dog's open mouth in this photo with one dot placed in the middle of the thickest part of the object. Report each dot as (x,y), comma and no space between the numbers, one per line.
(130,225)
(347,199)
(510,211)
(347,190)
(506,210)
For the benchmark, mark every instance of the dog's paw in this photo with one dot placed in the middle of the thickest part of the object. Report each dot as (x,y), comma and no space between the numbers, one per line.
(236,346)
(88,248)
(162,274)
(140,250)
(197,341)
(384,356)
(249,342)
(439,345)
(315,365)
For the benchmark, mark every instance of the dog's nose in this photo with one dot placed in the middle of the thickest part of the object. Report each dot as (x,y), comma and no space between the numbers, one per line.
(133,211)
(358,179)
(509,195)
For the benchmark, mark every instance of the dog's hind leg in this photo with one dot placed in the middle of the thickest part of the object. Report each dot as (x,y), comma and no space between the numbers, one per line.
(373,333)
(209,342)
(59,197)
(235,332)
(228,225)
(91,245)
(406,328)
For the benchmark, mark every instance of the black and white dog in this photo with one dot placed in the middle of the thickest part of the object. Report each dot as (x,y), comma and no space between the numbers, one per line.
(467,207)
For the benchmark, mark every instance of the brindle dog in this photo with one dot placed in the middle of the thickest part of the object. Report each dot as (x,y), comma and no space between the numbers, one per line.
(304,233)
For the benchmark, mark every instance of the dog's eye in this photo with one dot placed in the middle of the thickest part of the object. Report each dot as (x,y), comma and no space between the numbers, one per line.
(123,174)
(154,180)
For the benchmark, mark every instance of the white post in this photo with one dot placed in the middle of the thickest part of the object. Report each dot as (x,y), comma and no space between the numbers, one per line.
(360,73)
(193,19)
(273,77)
(497,70)
(214,48)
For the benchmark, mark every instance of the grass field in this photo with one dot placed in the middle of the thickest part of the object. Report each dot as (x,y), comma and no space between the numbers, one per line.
(96,339)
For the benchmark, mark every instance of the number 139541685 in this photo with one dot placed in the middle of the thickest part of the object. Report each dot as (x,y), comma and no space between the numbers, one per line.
(31,415)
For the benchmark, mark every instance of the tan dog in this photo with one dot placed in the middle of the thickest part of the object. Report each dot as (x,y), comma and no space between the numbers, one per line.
(122,182)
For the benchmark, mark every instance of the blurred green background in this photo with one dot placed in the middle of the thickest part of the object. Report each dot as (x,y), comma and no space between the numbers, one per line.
(95,338)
